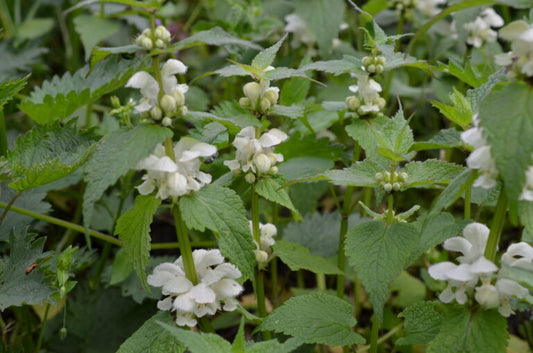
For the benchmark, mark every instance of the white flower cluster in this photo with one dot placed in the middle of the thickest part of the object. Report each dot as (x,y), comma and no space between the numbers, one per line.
(268,232)
(394,181)
(255,156)
(520,34)
(374,64)
(481,158)
(216,288)
(479,30)
(367,99)
(473,266)
(173,99)
(527,189)
(179,177)
(430,8)
(259,97)
(159,39)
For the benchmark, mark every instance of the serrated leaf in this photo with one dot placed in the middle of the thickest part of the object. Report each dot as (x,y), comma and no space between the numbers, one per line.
(359,174)
(337,67)
(396,135)
(100,53)
(407,290)
(293,112)
(460,112)
(16,286)
(198,342)
(294,91)
(422,323)
(35,27)
(266,57)
(280,73)
(149,338)
(122,267)
(14,62)
(398,59)
(8,89)
(221,210)
(92,30)
(232,124)
(506,116)
(364,131)
(304,167)
(435,229)
(330,325)
(430,172)
(60,97)
(232,70)
(299,145)
(453,191)
(446,138)
(270,189)
(476,95)
(117,153)
(297,258)
(484,331)
(379,252)
(133,228)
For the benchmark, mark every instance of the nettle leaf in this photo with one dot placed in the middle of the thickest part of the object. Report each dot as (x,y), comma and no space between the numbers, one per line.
(60,97)
(460,112)
(398,59)
(46,154)
(115,155)
(364,131)
(506,116)
(434,229)
(455,189)
(198,342)
(270,189)
(348,63)
(133,228)
(299,317)
(92,30)
(304,167)
(149,338)
(16,61)
(100,53)
(396,135)
(221,210)
(379,252)
(422,323)
(359,174)
(299,145)
(16,286)
(265,58)
(463,331)
(293,112)
(232,124)
(229,112)
(447,138)
(8,89)
(430,172)
(476,95)
(294,91)
(298,257)
(469,74)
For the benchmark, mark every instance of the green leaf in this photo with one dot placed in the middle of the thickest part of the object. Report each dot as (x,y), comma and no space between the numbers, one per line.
(269,188)
(435,229)
(519,4)
(477,95)
(323,18)
(467,74)
(133,228)
(270,346)
(447,138)
(299,145)
(422,323)
(294,91)
(16,286)
(60,97)
(460,112)
(506,116)
(407,290)
(297,258)
(293,112)
(337,67)
(8,89)
(379,252)
(46,154)
(149,338)
(365,131)
(122,267)
(525,211)
(266,57)
(431,171)
(115,155)
(232,124)
(100,53)
(35,28)
(359,174)
(455,189)
(299,317)
(198,342)
(92,30)
(221,210)
(484,331)
(304,167)
(16,61)
(398,59)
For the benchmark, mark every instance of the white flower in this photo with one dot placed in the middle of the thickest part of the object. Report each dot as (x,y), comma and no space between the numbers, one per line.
(508,289)
(459,278)
(472,244)
(216,286)
(519,255)
(520,34)
(175,178)
(527,189)
(429,8)
(368,91)
(479,31)
(256,155)
(150,88)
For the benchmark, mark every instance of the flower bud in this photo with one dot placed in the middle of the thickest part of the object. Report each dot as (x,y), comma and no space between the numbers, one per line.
(381,60)
(396,186)
(265,105)
(269,230)
(168,103)
(272,95)
(63,333)
(183,110)
(166,121)
(115,102)
(179,97)
(162,33)
(353,103)
(273,158)
(367,60)
(261,256)
(146,32)
(381,102)
(146,43)
(245,103)
(250,178)
(62,292)
(487,296)
(274,170)
(160,44)
(156,113)
(371,68)
(403,176)
(379,69)
(252,90)
(387,176)
(262,163)
(378,176)
(387,187)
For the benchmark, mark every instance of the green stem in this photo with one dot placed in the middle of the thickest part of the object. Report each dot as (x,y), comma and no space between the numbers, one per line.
(321,281)
(374,334)
(274,266)
(3,133)
(260,296)
(9,206)
(41,332)
(399,31)
(185,245)
(7,22)
(390,210)
(383,338)
(300,279)
(169,148)
(468,201)
(341,256)
(95,280)
(496,226)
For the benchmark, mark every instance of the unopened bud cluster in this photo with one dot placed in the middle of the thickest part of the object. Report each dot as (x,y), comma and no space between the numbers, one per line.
(259,97)
(402,5)
(159,38)
(374,64)
(391,181)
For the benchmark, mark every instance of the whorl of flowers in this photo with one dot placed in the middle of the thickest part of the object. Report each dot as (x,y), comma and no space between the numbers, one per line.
(255,156)
(216,288)
(481,158)
(172,101)
(473,267)
(267,233)
(175,178)
(160,38)
(520,58)
(259,97)
(366,99)
(480,30)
